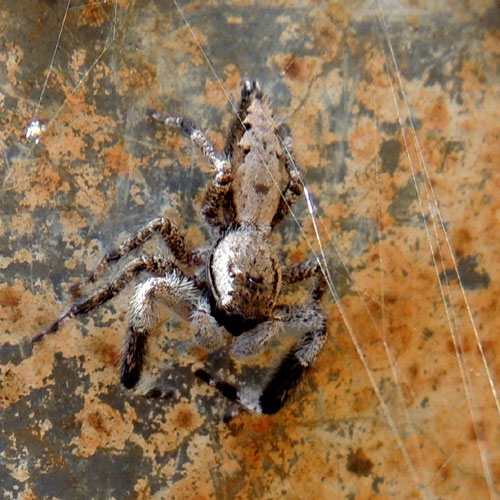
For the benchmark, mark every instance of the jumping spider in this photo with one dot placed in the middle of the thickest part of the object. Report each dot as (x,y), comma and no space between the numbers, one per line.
(235,285)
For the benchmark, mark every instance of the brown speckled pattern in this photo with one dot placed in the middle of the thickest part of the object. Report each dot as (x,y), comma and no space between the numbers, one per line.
(70,431)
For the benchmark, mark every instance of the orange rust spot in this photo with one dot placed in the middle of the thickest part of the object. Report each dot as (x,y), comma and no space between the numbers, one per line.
(436,116)
(138,77)
(249,447)
(489,349)
(298,255)
(97,422)
(9,297)
(262,425)
(214,91)
(443,470)
(292,68)
(364,400)
(464,235)
(390,299)
(460,349)
(491,40)
(375,307)
(326,28)
(120,161)
(94,13)
(462,239)
(299,69)
(253,456)
(108,354)
(413,370)
(364,141)
(199,353)
(184,418)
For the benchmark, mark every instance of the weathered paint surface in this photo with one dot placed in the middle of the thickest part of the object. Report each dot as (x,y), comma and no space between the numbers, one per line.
(69,430)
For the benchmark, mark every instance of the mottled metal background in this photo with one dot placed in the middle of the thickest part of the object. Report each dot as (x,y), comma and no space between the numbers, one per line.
(70,431)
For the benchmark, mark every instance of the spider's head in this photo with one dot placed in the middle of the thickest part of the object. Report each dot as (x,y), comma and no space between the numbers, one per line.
(245,274)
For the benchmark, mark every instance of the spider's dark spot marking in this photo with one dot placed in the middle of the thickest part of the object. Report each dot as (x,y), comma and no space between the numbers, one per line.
(113,255)
(261,188)
(282,383)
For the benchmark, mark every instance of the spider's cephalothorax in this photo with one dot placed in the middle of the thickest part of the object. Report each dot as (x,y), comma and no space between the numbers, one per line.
(235,286)
(245,274)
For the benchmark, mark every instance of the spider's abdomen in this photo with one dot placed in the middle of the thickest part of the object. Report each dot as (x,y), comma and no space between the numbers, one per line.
(258,170)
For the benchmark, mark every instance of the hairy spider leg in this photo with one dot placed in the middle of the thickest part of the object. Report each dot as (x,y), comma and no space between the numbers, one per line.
(254,341)
(162,226)
(303,271)
(296,363)
(308,320)
(295,188)
(299,272)
(153,264)
(221,182)
(290,370)
(178,292)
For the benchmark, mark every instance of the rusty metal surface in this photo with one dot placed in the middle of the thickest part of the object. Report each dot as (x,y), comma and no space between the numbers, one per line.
(101,170)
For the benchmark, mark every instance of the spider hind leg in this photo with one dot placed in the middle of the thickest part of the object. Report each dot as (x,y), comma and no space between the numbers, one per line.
(222,179)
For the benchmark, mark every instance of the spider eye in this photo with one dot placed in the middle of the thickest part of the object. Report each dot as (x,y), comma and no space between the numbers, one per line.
(255,281)
(232,274)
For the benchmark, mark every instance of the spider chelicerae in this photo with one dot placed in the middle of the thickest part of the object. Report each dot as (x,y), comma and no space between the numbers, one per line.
(234,286)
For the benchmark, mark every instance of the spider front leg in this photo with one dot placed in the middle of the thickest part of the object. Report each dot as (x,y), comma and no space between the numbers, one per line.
(254,341)
(154,265)
(180,294)
(162,226)
(306,270)
(306,322)
(221,183)
(310,323)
